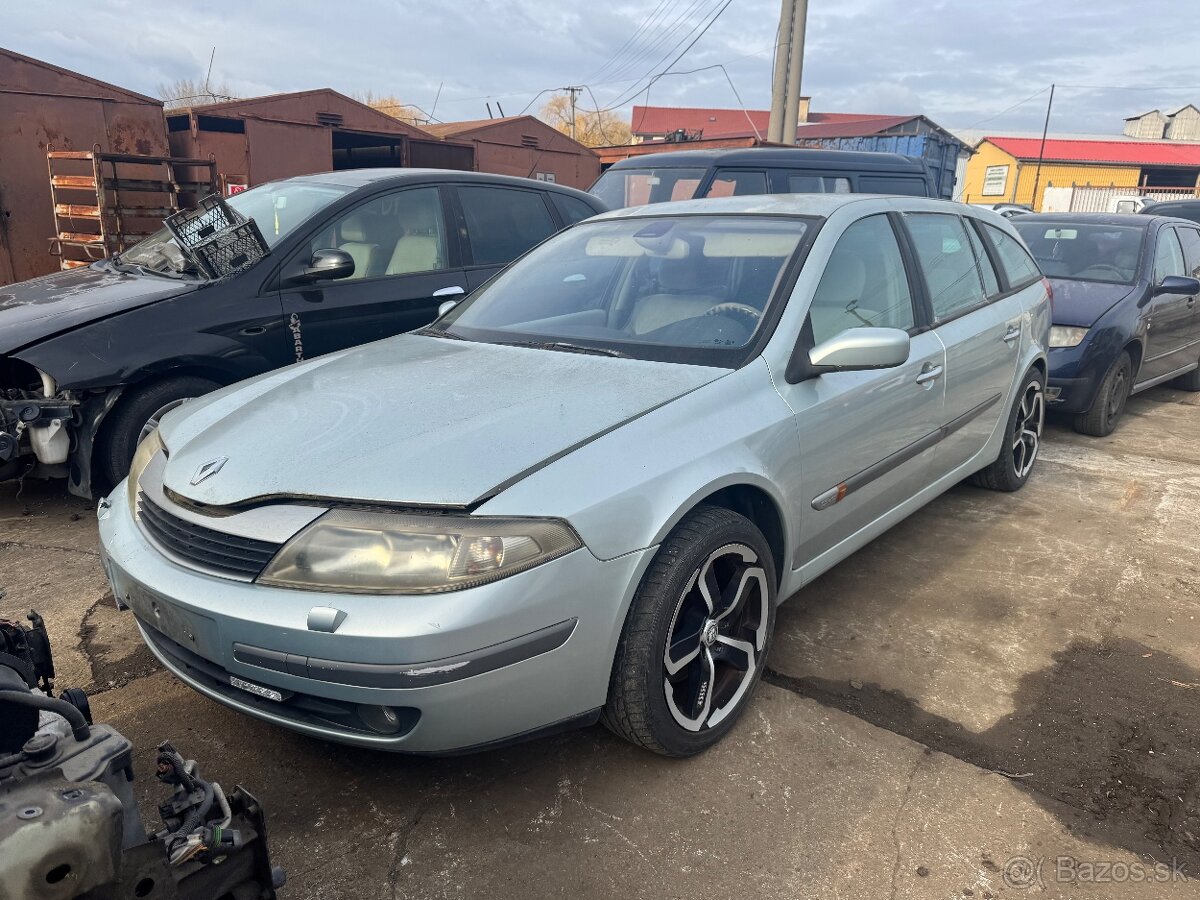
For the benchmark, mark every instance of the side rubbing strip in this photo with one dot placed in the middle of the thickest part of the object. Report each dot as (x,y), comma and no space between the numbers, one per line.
(839,492)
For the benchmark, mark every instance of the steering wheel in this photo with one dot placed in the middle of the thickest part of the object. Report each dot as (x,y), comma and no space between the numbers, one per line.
(1106,266)
(736,311)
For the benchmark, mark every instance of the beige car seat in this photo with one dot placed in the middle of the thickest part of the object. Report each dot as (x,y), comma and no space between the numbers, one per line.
(356,235)
(419,248)
(680,297)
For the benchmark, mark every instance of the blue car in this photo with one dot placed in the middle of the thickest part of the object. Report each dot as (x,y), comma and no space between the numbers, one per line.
(1125,311)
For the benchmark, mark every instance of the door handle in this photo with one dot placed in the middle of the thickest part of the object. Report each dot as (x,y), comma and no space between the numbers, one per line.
(930,373)
(1013,334)
(452,291)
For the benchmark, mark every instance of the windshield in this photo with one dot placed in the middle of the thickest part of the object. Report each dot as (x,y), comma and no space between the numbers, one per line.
(680,288)
(637,187)
(1084,251)
(277,208)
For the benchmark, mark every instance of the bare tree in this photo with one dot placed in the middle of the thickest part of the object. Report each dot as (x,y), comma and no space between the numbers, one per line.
(391,105)
(592,128)
(186,92)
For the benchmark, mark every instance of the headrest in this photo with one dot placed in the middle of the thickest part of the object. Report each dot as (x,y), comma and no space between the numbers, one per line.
(686,274)
(356,229)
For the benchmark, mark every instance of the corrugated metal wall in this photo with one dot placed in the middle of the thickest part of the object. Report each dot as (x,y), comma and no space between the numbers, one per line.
(939,153)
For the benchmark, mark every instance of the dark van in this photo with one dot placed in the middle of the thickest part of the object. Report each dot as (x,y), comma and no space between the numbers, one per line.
(688,174)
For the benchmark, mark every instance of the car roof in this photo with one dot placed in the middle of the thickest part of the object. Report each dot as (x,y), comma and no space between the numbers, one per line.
(772,156)
(359,178)
(786,205)
(1129,220)
(1186,202)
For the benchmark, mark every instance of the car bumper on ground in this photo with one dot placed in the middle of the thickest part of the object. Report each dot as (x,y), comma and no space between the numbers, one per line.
(428,673)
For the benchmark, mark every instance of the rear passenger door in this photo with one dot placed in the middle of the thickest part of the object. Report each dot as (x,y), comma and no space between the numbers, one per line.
(497,224)
(981,324)
(405,263)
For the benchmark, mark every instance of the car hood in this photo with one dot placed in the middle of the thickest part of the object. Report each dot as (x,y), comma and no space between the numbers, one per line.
(1081,303)
(33,310)
(411,420)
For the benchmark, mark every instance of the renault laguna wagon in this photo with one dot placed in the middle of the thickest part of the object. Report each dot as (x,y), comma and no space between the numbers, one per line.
(581,493)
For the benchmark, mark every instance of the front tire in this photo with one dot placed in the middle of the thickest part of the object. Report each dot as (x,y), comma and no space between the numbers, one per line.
(135,415)
(696,637)
(1019,450)
(1102,418)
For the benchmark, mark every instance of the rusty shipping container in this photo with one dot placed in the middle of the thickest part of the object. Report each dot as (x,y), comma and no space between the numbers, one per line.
(44,106)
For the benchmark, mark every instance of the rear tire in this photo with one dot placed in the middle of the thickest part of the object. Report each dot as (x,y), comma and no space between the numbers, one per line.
(136,413)
(1101,420)
(1023,439)
(685,668)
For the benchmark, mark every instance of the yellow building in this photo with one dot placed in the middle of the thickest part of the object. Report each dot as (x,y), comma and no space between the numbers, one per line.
(1004,169)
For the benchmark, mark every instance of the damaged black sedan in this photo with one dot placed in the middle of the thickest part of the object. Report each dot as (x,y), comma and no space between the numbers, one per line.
(91,358)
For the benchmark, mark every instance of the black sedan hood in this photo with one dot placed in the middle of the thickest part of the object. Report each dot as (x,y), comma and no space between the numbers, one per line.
(31,311)
(1081,303)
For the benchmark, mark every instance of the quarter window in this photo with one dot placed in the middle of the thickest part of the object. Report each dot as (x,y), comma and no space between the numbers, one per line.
(572,209)
(502,223)
(864,283)
(396,234)
(818,184)
(878,184)
(1019,268)
(1168,257)
(948,263)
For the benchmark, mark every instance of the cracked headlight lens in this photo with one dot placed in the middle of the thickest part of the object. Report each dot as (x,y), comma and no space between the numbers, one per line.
(359,551)
(146,451)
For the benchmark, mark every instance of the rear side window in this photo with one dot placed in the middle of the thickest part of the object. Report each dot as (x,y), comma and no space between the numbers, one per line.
(737,184)
(1190,238)
(502,223)
(1168,256)
(864,282)
(1019,268)
(572,209)
(818,184)
(886,184)
(947,261)
(991,284)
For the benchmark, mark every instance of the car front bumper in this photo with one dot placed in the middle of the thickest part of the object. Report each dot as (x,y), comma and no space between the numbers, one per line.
(459,670)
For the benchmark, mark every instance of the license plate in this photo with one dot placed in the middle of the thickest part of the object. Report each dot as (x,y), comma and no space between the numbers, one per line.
(256,689)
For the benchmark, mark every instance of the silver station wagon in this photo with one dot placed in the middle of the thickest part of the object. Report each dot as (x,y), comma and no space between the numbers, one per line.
(581,493)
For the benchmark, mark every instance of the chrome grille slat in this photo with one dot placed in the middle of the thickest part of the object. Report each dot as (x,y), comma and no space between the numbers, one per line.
(204,548)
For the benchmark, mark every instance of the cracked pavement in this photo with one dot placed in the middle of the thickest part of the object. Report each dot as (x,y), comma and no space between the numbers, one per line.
(1048,635)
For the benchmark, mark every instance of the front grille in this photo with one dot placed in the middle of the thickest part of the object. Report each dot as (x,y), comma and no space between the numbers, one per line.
(205,548)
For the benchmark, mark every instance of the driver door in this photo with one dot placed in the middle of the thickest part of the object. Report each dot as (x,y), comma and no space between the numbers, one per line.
(866,438)
(405,264)
(1170,315)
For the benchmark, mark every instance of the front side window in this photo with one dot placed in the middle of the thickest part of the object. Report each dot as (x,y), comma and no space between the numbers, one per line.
(944,252)
(1080,250)
(637,187)
(679,288)
(864,283)
(502,223)
(1190,239)
(737,184)
(1168,256)
(401,233)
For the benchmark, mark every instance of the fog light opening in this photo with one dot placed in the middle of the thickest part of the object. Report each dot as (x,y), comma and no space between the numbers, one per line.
(380,719)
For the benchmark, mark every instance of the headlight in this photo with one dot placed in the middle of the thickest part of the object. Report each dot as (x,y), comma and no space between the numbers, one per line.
(146,451)
(1065,336)
(383,553)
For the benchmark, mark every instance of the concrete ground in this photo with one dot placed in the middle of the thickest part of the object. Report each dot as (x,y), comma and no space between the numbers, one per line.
(1001,695)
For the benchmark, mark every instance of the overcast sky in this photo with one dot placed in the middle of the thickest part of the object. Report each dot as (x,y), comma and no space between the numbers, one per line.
(960,62)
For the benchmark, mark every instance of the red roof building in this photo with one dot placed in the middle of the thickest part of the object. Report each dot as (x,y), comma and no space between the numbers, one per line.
(1114,153)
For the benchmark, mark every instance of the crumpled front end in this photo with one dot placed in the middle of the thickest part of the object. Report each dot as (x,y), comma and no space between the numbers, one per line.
(36,421)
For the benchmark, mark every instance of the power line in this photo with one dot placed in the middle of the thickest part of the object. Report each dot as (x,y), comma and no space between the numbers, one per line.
(1003,112)
(682,22)
(625,99)
(631,39)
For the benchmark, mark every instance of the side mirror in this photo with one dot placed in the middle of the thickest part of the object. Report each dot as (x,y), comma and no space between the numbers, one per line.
(860,349)
(1178,284)
(325,265)
(445,307)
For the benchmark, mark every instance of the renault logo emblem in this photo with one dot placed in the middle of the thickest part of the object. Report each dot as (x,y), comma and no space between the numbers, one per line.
(210,468)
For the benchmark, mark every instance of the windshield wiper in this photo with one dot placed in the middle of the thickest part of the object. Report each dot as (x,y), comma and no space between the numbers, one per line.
(566,347)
